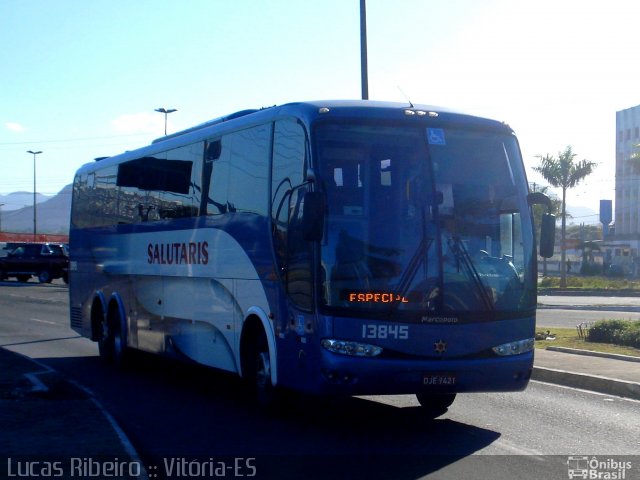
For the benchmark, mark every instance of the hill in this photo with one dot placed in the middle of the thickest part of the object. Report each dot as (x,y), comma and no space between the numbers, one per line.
(18,200)
(52,214)
(581,214)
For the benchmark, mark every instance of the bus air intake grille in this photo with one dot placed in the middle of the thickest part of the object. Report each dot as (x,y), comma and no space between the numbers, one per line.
(76,317)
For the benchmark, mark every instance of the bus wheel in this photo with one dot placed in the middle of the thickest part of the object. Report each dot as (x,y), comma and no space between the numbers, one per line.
(120,350)
(257,370)
(23,278)
(105,341)
(264,388)
(435,405)
(112,342)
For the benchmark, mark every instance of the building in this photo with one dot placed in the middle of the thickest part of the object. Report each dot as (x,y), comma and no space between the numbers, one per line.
(623,249)
(627,174)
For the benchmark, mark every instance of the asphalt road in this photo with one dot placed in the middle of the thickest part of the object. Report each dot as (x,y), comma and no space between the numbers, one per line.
(173,411)
(569,311)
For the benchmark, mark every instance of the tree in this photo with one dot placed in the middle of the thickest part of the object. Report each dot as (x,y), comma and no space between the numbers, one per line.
(565,173)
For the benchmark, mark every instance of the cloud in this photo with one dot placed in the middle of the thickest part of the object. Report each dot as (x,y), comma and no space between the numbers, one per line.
(143,122)
(14,127)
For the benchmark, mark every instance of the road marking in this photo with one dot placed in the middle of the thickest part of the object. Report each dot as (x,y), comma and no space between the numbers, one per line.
(43,321)
(519,450)
(42,300)
(124,439)
(566,387)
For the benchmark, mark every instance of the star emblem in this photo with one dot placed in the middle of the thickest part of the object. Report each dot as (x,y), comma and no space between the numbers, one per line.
(440,346)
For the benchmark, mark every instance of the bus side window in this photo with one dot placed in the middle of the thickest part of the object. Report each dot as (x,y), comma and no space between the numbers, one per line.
(181,196)
(104,197)
(239,165)
(219,176)
(212,151)
(249,170)
(163,186)
(81,214)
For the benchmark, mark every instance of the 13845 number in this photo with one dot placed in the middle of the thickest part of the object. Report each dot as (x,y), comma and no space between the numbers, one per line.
(382,331)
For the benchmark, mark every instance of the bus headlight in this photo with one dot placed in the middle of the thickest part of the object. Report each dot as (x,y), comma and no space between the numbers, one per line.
(355,349)
(515,348)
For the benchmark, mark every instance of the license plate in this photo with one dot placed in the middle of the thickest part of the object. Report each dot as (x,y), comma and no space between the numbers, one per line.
(436,379)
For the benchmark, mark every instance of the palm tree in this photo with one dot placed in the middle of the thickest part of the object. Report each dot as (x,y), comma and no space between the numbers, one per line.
(564,172)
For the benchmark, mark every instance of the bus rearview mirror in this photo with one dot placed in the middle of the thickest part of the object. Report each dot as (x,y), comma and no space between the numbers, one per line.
(547,235)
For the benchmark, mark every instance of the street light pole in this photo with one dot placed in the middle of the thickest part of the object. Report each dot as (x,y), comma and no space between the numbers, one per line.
(166,112)
(34,192)
(363,50)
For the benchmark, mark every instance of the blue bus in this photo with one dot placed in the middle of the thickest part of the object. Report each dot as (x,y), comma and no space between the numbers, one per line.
(331,247)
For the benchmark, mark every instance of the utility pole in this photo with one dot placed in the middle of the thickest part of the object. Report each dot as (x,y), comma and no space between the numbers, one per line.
(35,238)
(363,50)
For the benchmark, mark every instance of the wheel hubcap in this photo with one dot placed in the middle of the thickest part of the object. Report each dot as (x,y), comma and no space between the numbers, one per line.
(263,373)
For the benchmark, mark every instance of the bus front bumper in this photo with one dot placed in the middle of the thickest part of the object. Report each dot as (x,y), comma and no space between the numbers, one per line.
(341,374)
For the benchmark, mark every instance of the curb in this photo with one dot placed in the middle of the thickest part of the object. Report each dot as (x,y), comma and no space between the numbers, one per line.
(589,353)
(609,386)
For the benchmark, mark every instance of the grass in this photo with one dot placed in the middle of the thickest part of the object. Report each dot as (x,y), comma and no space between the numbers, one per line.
(568,337)
(589,283)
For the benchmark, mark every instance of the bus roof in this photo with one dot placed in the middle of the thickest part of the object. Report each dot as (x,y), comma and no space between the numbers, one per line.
(307,111)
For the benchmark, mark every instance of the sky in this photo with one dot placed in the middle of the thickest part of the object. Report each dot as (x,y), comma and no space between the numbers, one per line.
(81,79)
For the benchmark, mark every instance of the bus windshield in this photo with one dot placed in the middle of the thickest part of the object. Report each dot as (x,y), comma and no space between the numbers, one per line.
(423,223)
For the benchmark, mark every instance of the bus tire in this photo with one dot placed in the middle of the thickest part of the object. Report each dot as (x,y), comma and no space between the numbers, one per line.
(434,405)
(23,278)
(105,340)
(111,337)
(256,368)
(119,335)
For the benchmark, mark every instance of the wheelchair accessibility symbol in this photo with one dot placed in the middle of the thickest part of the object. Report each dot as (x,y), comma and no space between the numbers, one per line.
(435,136)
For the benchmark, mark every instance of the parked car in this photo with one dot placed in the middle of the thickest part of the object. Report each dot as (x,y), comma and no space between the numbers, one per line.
(47,261)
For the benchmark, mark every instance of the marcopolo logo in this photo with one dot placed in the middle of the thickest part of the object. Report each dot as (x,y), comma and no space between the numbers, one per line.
(595,468)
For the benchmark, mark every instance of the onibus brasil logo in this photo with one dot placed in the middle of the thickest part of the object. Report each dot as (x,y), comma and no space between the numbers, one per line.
(594,468)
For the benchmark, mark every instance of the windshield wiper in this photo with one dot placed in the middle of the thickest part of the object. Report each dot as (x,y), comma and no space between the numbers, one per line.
(462,255)
(420,255)
(409,274)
